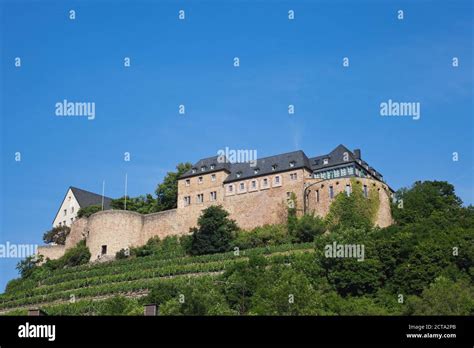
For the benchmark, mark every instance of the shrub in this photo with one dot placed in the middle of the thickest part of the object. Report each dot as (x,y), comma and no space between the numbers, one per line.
(57,235)
(262,236)
(307,228)
(88,211)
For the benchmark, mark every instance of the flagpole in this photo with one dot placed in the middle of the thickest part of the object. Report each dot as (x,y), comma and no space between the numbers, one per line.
(126,179)
(103,193)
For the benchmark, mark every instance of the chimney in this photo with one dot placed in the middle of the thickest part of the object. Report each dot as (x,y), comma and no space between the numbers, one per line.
(357,153)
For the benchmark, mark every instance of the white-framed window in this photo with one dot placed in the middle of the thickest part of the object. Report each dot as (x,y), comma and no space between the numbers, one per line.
(200,198)
(265,182)
(230,188)
(325,161)
(331,192)
(274,167)
(348,190)
(65,212)
(277,179)
(200,180)
(343,171)
(187,200)
(293,176)
(193,170)
(336,173)
(203,168)
(72,210)
(188,182)
(292,164)
(213,166)
(256,170)
(213,196)
(242,186)
(254,184)
(213,177)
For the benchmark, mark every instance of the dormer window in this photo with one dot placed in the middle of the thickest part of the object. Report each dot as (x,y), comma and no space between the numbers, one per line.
(325,161)
(274,167)
(203,168)
(256,170)
(193,170)
(213,166)
(238,174)
(292,164)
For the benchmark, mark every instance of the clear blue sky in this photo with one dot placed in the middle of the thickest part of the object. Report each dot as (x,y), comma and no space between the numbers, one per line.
(191,62)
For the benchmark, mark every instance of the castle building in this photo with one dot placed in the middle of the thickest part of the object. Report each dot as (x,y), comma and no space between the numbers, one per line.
(254,193)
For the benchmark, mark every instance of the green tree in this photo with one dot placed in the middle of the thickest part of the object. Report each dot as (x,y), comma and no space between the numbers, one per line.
(88,211)
(57,235)
(443,297)
(423,199)
(167,192)
(307,228)
(215,232)
(28,265)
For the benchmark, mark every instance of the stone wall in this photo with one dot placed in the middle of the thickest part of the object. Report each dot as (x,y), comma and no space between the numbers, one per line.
(51,252)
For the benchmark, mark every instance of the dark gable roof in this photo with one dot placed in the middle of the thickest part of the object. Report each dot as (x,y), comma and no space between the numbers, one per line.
(206,163)
(86,198)
(335,157)
(265,165)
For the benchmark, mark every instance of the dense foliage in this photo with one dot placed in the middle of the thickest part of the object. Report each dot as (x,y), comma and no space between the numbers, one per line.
(57,235)
(421,265)
(88,211)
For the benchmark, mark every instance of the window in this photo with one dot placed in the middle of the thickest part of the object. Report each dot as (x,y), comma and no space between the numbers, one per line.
(203,168)
(193,170)
(366,192)
(325,161)
(336,173)
(254,184)
(343,171)
(65,212)
(213,166)
(187,200)
(200,180)
(242,186)
(72,220)
(188,182)
(239,174)
(348,190)
(72,210)
(256,170)
(293,176)
(317,196)
(317,175)
(331,192)
(60,223)
(265,182)
(104,250)
(213,177)
(274,167)
(277,179)
(230,188)
(64,222)
(213,196)
(200,198)
(292,164)
(69,198)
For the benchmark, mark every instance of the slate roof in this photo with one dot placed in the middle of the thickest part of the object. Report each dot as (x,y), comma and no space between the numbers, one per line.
(86,198)
(264,166)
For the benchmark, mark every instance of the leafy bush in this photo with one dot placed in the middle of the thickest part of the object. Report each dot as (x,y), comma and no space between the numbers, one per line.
(262,236)
(307,228)
(215,232)
(57,235)
(88,211)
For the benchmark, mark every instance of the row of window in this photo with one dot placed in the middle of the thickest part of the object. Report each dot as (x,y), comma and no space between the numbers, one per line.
(348,191)
(334,173)
(264,183)
(200,198)
(64,222)
(200,179)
